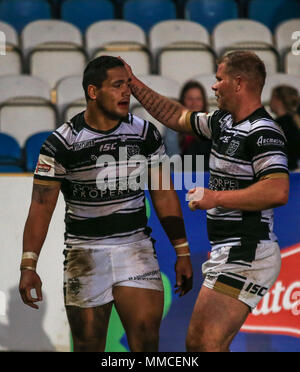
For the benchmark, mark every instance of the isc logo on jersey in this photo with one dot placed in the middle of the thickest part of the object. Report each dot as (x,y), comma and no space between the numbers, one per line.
(279,310)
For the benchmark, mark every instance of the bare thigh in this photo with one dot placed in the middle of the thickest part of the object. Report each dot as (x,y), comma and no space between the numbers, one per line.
(215,321)
(89,326)
(140,311)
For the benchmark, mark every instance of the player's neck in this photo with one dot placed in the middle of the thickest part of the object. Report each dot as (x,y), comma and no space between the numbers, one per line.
(98,120)
(243,110)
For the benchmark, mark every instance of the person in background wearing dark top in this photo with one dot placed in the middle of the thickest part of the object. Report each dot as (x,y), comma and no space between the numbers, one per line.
(284,103)
(193,97)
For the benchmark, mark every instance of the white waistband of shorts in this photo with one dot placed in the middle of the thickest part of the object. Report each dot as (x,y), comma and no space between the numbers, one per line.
(107,246)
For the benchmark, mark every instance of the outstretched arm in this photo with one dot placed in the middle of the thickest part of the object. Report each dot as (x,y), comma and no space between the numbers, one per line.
(44,198)
(168,112)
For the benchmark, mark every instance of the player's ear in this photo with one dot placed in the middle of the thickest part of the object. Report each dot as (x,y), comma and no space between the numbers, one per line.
(92,91)
(238,83)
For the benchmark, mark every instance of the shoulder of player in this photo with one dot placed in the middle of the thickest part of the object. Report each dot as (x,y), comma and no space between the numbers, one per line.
(265,124)
(67,133)
(141,126)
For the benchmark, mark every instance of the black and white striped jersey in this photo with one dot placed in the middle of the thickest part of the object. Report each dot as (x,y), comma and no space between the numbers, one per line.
(70,155)
(242,153)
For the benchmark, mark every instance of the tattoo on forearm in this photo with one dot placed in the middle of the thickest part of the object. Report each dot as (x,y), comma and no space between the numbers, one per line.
(161,108)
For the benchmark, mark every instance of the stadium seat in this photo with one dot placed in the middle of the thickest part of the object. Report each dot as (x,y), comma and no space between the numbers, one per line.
(10,151)
(273,12)
(246,34)
(279,79)
(210,12)
(54,50)
(178,35)
(83,13)
(119,38)
(69,92)
(32,148)
(10,169)
(182,48)
(74,108)
(9,46)
(283,35)
(19,13)
(25,107)
(240,33)
(146,13)
(183,64)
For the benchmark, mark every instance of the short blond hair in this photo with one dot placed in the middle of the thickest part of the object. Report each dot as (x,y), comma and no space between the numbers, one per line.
(247,64)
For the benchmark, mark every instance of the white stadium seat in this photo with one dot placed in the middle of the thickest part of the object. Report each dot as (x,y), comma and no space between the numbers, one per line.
(119,38)
(246,34)
(181,49)
(11,63)
(167,33)
(25,107)
(68,91)
(53,49)
(183,63)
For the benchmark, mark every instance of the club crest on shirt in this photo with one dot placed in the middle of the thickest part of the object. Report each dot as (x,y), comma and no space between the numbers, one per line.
(232,148)
(132,150)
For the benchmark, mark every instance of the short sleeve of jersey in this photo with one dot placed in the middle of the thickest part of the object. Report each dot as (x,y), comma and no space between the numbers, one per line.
(206,125)
(50,165)
(154,148)
(268,149)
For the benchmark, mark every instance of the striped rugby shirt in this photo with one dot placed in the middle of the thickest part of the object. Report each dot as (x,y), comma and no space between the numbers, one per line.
(242,153)
(69,156)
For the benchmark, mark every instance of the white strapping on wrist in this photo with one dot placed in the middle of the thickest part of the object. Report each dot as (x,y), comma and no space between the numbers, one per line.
(30,256)
(185,244)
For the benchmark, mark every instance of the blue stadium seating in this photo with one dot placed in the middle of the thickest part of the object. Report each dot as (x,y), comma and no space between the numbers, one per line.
(10,169)
(20,12)
(210,12)
(82,13)
(32,148)
(10,150)
(146,13)
(273,12)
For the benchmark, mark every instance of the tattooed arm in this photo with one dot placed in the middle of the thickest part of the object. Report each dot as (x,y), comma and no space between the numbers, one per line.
(44,198)
(170,113)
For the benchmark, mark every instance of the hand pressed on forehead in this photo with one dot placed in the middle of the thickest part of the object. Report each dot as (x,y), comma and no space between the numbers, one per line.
(127,67)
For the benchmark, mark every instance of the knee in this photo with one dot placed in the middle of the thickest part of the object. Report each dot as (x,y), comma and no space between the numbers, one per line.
(144,336)
(87,339)
(202,341)
(147,329)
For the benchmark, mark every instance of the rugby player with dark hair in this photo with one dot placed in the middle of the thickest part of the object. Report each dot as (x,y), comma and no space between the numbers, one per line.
(109,254)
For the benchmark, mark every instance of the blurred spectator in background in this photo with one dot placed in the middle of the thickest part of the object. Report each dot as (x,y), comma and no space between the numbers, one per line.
(193,97)
(284,103)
